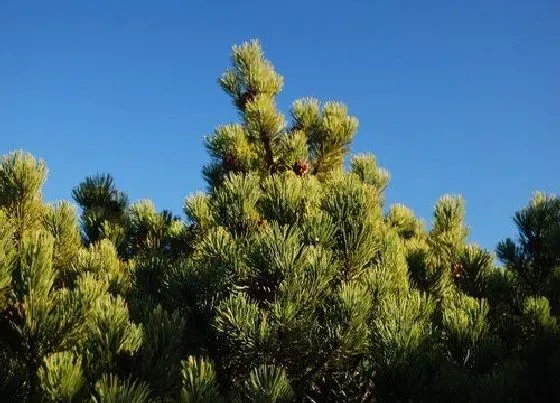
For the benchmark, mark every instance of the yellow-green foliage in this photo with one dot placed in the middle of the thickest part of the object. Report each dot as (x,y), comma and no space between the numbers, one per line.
(288,281)
(61,376)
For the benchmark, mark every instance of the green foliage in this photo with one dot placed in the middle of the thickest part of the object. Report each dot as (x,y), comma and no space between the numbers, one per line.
(540,334)
(448,233)
(288,280)
(100,201)
(199,381)
(61,377)
(536,314)
(242,331)
(250,72)
(475,266)
(60,220)
(329,130)
(274,254)
(355,211)
(289,199)
(21,179)
(267,384)
(536,256)
(111,336)
(402,344)
(389,275)
(365,166)
(162,350)
(235,203)
(198,211)
(8,255)
(112,390)
(101,260)
(402,219)
(465,328)
(151,232)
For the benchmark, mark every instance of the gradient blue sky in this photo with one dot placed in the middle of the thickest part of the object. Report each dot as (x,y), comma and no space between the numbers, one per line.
(452,96)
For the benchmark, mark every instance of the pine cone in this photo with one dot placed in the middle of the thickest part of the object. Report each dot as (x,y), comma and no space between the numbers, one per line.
(301,168)
(457,270)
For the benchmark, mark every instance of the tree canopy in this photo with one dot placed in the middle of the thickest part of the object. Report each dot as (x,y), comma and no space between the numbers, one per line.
(289,279)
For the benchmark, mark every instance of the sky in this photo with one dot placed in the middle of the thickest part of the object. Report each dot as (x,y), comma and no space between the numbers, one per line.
(452,97)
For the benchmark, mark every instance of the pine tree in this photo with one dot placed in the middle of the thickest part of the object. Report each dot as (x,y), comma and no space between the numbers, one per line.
(103,206)
(60,328)
(534,265)
(300,268)
(290,280)
(535,259)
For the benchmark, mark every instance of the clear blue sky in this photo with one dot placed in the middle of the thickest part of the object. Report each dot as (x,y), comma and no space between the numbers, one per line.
(452,96)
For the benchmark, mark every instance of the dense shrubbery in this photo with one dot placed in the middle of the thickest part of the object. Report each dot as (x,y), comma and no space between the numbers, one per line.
(289,281)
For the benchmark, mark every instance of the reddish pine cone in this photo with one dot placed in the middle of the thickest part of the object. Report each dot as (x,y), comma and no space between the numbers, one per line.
(457,270)
(301,168)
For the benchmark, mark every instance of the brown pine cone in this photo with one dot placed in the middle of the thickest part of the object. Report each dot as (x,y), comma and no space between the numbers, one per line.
(261,223)
(301,168)
(457,270)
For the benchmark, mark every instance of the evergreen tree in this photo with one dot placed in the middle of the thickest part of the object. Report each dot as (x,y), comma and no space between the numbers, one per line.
(535,258)
(103,206)
(60,328)
(290,280)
